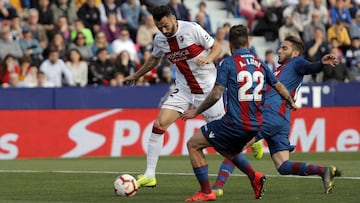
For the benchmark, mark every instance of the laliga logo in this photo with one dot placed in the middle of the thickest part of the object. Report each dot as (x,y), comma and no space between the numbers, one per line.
(87,141)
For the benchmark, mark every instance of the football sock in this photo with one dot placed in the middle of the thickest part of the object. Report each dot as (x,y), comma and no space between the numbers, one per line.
(154,148)
(244,165)
(202,176)
(226,168)
(299,168)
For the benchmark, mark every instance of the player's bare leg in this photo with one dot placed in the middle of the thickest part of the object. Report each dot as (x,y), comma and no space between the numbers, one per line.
(165,118)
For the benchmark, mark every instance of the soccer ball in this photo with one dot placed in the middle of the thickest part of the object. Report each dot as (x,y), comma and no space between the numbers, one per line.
(125,185)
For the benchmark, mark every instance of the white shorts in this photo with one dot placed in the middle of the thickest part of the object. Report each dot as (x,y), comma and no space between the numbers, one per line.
(182,100)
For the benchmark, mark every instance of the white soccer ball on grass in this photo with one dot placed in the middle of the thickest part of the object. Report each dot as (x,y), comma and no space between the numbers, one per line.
(125,185)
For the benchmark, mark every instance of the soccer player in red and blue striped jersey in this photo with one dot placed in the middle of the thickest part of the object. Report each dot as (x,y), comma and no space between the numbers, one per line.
(246,78)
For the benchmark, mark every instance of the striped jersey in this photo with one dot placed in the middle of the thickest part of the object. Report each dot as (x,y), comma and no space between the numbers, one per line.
(245,78)
(290,74)
(182,49)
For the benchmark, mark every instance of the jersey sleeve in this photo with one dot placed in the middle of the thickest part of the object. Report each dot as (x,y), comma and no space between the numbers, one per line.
(269,76)
(304,67)
(223,73)
(157,51)
(202,37)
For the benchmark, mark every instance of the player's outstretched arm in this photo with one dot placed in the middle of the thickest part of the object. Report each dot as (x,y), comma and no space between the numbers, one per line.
(215,94)
(284,93)
(316,67)
(148,65)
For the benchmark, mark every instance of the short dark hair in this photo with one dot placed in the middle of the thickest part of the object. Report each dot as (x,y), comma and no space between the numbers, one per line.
(78,35)
(269,51)
(226,24)
(53,50)
(318,28)
(100,50)
(160,11)
(296,42)
(238,36)
(25,59)
(202,3)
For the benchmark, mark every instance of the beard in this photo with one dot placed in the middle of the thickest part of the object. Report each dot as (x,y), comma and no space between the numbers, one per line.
(171,32)
(284,59)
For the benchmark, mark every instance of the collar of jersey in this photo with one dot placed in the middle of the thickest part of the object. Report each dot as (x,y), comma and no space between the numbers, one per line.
(242,51)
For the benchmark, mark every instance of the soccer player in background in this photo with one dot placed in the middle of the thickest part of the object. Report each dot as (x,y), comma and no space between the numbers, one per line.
(276,115)
(245,78)
(193,51)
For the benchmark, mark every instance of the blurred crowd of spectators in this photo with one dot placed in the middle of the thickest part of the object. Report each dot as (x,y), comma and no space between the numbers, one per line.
(55,43)
(325,26)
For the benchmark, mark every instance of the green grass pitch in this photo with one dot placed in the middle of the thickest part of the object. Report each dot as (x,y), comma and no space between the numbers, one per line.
(90,180)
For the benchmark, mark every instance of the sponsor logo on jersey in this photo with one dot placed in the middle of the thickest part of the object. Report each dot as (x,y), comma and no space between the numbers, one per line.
(178,55)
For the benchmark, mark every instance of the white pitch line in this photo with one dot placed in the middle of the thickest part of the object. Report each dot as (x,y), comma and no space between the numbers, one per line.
(158,173)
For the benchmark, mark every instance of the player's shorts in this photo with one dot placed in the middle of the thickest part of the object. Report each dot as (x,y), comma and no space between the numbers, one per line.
(225,137)
(180,100)
(275,130)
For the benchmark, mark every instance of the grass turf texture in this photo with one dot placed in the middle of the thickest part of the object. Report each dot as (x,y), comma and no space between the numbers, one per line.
(90,180)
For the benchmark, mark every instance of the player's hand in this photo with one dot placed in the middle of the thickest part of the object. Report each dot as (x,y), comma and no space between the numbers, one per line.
(130,80)
(329,59)
(191,113)
(202,61)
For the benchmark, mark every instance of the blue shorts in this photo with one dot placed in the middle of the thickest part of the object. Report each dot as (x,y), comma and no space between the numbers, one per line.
(226,137)
(275,130)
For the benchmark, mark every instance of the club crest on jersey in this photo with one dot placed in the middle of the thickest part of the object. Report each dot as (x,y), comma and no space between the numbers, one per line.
(207,37)
(181,39)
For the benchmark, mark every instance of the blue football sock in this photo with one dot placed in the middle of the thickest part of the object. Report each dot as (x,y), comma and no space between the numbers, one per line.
(299,168)
(244,165)
(226,168)
(202,176)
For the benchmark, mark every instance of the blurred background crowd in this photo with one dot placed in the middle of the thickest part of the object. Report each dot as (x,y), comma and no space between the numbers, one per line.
(55,43)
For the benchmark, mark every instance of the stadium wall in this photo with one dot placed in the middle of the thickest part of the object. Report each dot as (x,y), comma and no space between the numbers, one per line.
(310,95)
(116,122)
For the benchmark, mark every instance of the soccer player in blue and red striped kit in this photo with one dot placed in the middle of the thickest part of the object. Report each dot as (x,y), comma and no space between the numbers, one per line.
(245,79)
(276,117)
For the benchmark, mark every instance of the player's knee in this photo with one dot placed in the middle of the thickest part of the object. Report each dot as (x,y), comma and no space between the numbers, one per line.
(157,125)
(161,124)
(194,144)
(157,128)
(190,145)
